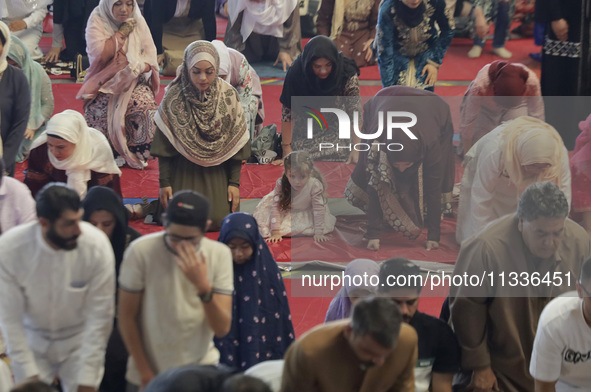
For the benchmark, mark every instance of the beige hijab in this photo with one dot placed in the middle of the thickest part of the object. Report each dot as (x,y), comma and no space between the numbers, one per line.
(526,141)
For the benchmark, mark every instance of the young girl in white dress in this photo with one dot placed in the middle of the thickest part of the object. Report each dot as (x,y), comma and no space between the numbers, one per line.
(298,204)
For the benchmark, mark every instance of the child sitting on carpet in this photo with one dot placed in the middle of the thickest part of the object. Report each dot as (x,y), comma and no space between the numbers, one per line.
(297,205)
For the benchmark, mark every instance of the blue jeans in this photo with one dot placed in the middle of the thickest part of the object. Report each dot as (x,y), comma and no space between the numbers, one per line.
(501,27)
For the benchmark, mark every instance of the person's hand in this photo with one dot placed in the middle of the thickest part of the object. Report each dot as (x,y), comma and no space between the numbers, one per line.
(53,55)
(320,238)
(286,149)
(29,134)
(431,245)
(193,265)
(431,71)
(160,59)
(127,27)
(560,28)
(234,197)
(275,238)
(369,51)
(17,25)
(373,245)
(165,195)
(483,380)
(353,157)
(145,379)
(86,388)
(285,59)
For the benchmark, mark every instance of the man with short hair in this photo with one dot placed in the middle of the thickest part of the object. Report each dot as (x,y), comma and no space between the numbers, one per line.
(175,293)
(561,359)
(524,260)
(371,351)
(57,290)
(439,352)
(17,206)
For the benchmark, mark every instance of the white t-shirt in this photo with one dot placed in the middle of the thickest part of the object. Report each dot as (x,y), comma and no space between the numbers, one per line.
(172,321)
(562,348)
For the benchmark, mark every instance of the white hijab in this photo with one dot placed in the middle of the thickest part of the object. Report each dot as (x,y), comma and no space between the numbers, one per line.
(264,18)
(225,62)
(6,33)
(20,9)
(92,152)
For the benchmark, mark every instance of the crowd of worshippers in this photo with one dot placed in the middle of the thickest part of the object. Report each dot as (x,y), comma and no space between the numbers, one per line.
(88,304)
(193,314)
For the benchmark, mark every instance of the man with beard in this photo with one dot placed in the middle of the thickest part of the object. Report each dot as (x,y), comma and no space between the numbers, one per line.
(372,351)
(439,352)
(524,260)
(57,287)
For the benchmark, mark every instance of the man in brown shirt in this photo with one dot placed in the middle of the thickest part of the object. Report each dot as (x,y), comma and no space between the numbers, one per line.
(371,352)
(525,260)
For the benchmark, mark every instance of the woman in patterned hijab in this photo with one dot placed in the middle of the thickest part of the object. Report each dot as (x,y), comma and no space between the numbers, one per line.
(201,137)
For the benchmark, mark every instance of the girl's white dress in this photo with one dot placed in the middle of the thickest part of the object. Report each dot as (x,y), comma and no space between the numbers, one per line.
(309,213)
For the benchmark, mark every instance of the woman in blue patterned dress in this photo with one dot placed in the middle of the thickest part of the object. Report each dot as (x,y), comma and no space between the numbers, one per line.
(410,49)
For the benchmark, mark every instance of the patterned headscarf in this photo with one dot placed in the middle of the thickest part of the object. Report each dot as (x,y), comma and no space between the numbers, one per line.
(207,132)
(261,321)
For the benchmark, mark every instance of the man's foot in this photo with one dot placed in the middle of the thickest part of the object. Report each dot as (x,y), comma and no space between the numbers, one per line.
(475,52)
(502,52)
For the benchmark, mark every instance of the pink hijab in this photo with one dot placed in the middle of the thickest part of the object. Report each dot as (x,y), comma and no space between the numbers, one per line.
(581,158)
(119,75)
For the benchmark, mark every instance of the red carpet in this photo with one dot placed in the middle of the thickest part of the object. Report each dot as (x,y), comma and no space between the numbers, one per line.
(457,66)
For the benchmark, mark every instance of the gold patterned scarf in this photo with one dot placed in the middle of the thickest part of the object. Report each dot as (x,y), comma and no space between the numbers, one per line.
(207,127)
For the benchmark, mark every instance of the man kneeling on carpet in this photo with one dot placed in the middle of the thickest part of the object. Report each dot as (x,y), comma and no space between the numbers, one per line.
(372,351)
(176,288)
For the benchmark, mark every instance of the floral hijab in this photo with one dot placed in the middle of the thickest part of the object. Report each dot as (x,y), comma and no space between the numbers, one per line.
(207,128)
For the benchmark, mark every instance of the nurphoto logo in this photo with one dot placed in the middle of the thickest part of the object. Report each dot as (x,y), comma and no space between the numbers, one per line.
(344,123)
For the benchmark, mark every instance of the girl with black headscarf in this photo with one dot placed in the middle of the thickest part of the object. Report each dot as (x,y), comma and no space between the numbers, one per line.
(261,321)
(104,209)
(321,70)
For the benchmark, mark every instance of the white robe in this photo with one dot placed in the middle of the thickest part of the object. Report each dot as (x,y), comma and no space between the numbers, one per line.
(486,194)
(32,12)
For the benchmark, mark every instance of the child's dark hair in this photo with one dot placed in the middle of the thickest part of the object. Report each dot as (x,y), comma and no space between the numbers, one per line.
(299,161)
(2,38)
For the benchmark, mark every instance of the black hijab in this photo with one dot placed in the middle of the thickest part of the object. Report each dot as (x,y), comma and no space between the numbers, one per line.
(103,198)
(300,80)
(412,17)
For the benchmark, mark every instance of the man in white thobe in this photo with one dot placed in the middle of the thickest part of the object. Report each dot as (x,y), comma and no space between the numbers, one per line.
(57,287)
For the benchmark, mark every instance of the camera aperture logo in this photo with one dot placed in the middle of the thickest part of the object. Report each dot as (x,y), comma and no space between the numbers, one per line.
(345,125)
